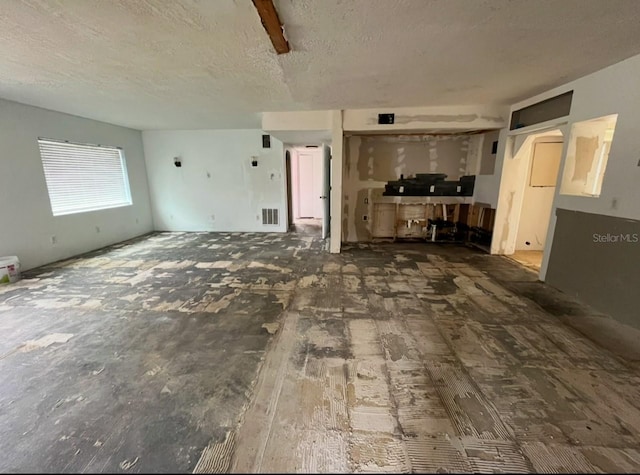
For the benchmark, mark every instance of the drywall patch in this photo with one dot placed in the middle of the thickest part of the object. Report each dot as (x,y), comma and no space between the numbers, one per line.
(586,148)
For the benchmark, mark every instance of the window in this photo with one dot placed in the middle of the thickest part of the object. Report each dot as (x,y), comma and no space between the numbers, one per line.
(587,156)
(544,111)
(83,177)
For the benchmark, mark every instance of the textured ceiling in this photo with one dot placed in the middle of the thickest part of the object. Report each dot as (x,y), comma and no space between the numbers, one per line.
(187,64)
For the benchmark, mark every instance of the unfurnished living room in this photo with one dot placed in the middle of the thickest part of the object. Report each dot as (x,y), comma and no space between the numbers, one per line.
(319,236)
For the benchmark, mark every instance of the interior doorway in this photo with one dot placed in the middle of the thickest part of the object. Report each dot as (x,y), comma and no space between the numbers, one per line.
(540,156)
(307,189)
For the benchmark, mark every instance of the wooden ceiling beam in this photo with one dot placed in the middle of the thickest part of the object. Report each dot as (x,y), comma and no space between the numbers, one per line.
(271,23)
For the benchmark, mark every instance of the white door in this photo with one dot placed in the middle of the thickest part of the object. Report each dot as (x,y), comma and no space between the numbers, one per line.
(326,191)
(310,205)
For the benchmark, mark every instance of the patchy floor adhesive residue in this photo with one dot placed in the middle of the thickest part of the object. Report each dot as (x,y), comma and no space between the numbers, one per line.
(271,328)
(243,352)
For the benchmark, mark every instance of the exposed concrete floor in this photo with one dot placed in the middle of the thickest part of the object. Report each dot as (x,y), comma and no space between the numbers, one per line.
(389,357)
(531,259)
(309,226)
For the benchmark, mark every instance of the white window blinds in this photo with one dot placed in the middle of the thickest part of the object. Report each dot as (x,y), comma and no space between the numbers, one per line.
(83,177)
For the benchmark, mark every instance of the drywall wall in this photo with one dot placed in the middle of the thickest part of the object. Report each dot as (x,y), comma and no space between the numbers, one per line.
(407,119)
(217,188)
(537,201)
(595,259)
(299,127)
(587,156)
(296,120)
(28,224)
(371,161)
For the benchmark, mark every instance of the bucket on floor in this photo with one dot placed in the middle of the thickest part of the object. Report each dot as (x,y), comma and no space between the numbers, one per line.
(9,269)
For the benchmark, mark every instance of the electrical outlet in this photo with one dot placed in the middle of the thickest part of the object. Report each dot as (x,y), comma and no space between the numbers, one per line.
(54,239)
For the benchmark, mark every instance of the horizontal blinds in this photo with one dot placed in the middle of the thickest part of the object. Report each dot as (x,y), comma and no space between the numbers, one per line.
(83,177)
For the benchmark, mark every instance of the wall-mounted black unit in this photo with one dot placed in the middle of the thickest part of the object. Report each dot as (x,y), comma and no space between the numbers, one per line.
(549,109)
(430,184)
(266,141)
(386,119)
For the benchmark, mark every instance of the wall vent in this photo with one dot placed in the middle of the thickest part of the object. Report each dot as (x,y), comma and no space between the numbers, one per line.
(270,216)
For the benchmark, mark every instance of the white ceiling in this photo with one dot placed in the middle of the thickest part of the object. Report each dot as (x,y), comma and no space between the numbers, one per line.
(188,64)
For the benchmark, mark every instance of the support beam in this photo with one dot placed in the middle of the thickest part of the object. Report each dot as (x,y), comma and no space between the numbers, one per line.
(271,22)
(337,152)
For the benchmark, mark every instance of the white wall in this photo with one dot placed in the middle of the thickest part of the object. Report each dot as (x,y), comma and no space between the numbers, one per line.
(612,90)
(26,221)
(216,189)
(596,134)
(441,118)
(296,120)
(299,127)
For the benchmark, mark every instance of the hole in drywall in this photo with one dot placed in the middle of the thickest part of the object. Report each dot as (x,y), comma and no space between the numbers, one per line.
(587,156)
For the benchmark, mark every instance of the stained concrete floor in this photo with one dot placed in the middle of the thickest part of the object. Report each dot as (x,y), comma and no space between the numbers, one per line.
(251,352)
(531,259)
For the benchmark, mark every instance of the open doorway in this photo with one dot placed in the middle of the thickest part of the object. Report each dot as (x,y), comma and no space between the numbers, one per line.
(535,168)
(537,200)
(307,189)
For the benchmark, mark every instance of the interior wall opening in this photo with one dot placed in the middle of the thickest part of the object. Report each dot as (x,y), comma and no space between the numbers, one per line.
(537,201)
(305,189)
(532,172)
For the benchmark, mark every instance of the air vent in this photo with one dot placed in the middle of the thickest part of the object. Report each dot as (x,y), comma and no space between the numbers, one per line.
(266,141)
(270,216)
